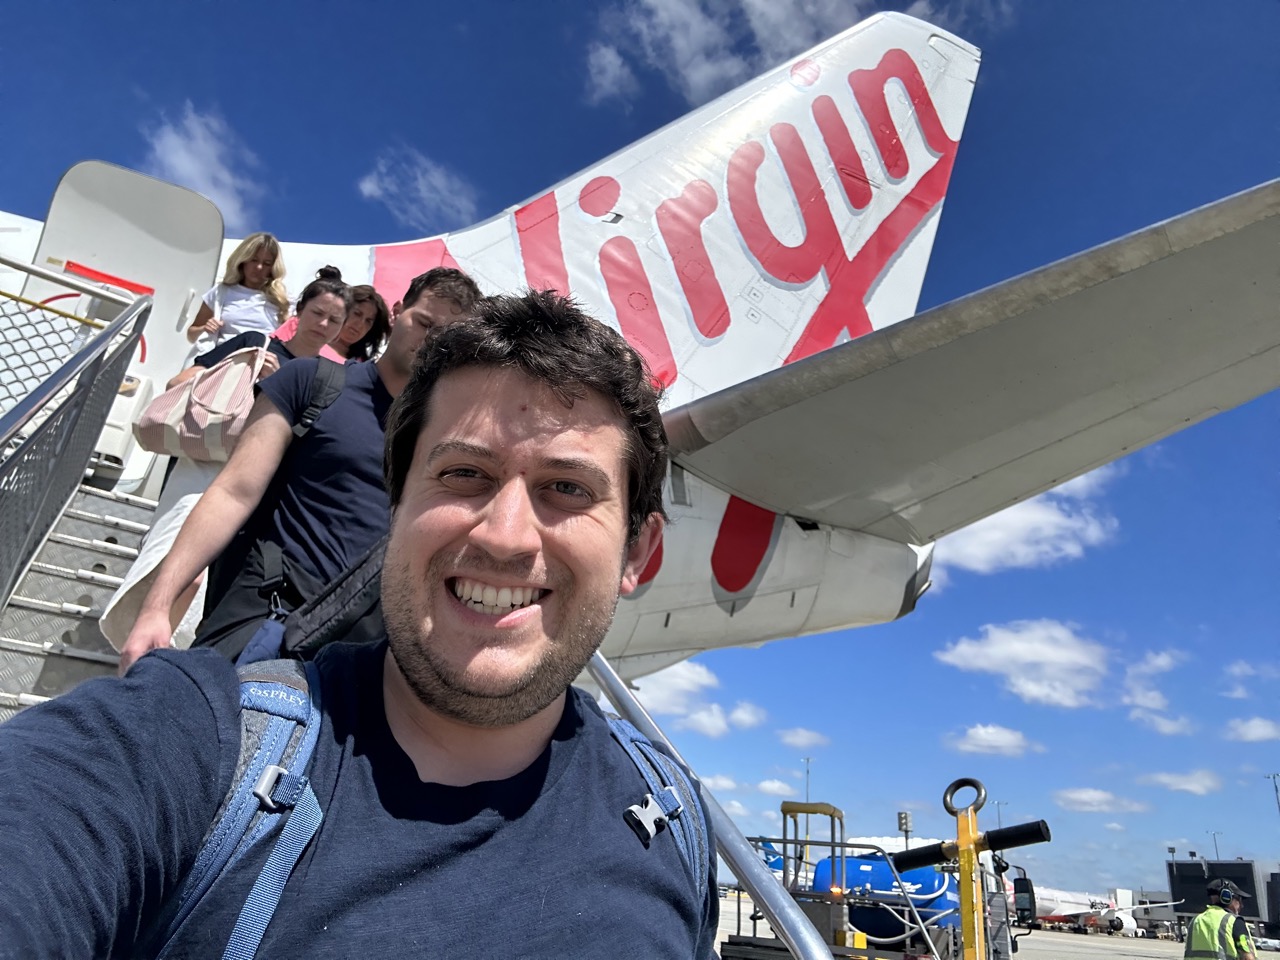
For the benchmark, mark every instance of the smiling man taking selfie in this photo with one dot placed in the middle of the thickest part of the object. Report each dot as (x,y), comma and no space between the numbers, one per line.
(465,800)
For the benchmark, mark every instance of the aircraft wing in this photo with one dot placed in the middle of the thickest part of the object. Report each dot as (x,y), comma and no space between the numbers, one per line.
(917,429)
(1148,906)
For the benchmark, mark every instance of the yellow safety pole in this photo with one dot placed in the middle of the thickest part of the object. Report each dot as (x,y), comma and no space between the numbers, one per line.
(973,929)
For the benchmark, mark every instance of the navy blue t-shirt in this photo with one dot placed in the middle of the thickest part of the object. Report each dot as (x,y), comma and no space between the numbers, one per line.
(332,504)
(540,865)
(250,338)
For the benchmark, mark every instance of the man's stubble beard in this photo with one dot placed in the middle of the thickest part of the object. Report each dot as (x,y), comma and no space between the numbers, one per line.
(584,623)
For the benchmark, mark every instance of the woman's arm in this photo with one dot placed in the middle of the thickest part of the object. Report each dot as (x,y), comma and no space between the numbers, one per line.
(204,322)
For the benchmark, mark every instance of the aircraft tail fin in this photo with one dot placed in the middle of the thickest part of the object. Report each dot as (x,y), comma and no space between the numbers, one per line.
(788,215)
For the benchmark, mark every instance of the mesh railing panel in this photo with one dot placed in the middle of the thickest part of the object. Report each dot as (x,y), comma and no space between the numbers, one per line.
(33,344)
(42,469)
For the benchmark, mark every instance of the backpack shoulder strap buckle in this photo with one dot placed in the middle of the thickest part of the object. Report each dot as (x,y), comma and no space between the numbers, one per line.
(650,818)
(278,789)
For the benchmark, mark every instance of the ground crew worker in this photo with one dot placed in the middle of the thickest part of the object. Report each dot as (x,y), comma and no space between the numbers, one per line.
(1218,933)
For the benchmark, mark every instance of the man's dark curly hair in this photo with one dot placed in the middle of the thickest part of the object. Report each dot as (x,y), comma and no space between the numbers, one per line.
(550,339)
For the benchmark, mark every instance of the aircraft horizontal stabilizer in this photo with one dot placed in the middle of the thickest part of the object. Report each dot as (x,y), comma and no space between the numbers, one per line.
(918,429)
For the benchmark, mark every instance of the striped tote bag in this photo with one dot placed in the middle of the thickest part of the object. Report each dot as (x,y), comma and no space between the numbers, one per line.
(203,417)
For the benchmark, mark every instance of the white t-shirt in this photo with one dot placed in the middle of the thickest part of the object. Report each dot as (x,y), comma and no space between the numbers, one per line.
(240,310)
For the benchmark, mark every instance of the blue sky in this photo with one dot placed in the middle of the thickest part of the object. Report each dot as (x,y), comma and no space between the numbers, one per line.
(1125,628)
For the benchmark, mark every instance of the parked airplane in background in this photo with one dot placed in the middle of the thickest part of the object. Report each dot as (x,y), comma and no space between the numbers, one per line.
(1083,910)
(765,254)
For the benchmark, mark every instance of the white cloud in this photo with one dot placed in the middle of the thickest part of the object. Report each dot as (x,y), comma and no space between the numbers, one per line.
(1199,782)
(735,809)
(609,77)
(719,783)
(419,192)
(709,720)
(958,15)
(746,715)
(1161,723)
(992,738)
(1139,691)
(1253,730)
(691,43)
(1117,827)
(1056,526)
(776,788)
(1236,692)
(675,690)
(200,151)
(802,739)
(781,29)
(1093,800)
(1239,669)
(1149,703)
(1041,661)
(704,47)
(773,816)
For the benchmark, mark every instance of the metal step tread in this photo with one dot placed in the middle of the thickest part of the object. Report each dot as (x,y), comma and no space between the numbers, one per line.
(100,546)
(128,498)
(62,609)
(16,701)
(106,520)
(80,576)
(56,648)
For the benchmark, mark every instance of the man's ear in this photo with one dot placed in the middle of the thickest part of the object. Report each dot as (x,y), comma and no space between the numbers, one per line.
(397,309)
(638,553)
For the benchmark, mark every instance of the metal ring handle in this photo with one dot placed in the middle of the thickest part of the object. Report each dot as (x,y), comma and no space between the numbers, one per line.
(948,797)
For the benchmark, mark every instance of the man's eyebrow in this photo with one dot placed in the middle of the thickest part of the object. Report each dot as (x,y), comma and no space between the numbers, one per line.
(579,465)
(459,447)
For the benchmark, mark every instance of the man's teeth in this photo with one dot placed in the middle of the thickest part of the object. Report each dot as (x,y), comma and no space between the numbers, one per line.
(489,599)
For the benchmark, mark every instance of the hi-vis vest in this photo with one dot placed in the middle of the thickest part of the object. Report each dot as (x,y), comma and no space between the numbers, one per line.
(1210,936)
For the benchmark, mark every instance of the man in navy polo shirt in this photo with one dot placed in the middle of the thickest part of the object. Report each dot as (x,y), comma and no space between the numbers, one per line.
(325,504)
(473,803)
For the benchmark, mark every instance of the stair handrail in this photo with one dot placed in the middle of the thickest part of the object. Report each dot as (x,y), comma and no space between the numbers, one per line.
(24,410)
(69,281)
(784,914)
(72,405)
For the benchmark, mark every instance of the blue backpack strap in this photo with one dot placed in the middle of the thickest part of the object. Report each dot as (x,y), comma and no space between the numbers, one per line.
(279,725)
(673,801)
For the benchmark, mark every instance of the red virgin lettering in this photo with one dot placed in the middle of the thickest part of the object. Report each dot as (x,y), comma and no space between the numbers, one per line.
(628,287)
(538,230)
(801,263)
(852,279)
(599,196)
(848,280)
(680,222)
(835,134)
(632,298)
(868,88)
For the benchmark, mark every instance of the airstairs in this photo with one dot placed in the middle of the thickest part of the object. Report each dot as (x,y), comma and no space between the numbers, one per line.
(49,636)
(65,543)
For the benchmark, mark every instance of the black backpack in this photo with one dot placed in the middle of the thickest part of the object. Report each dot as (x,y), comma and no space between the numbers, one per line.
(347,609)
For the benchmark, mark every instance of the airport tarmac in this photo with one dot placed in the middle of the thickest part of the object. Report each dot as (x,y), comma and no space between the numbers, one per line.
(1048,945)
(1040,945)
